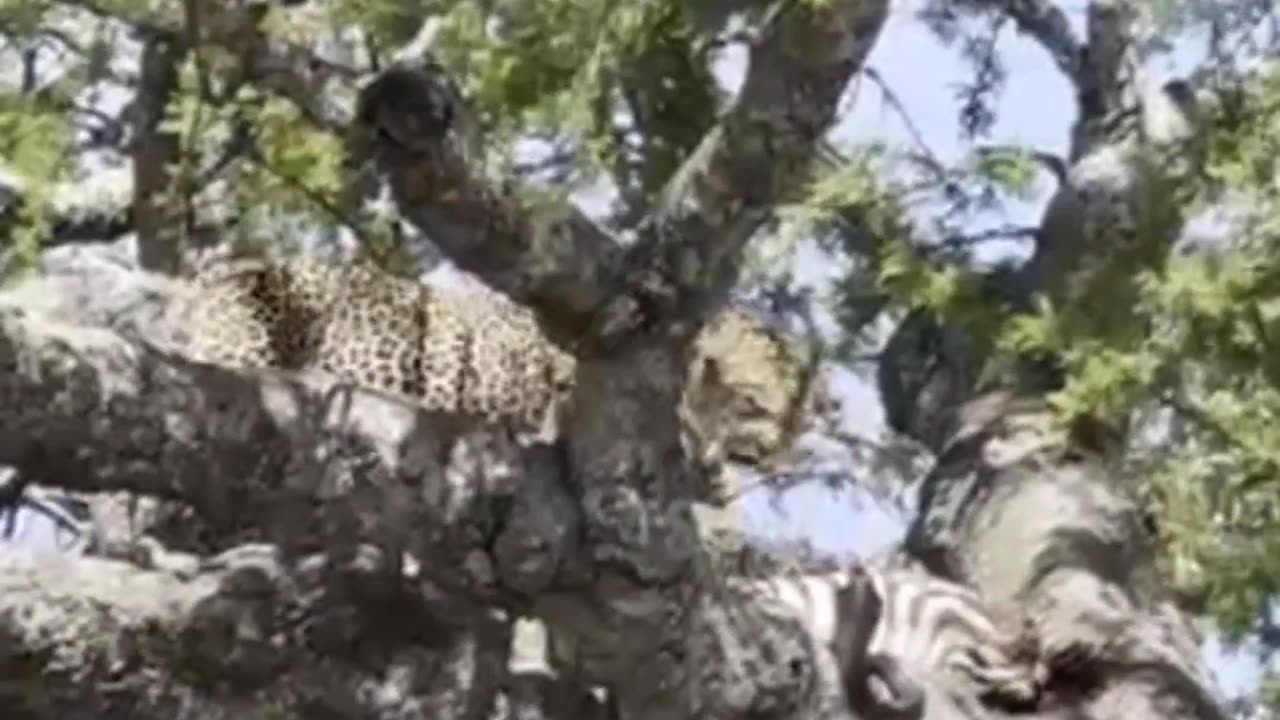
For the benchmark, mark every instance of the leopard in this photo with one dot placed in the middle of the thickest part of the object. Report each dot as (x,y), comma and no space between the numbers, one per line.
(749,391)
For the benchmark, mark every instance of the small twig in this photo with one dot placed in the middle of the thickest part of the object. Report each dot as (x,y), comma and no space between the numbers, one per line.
(21,496)
(238,144)
(312,196)
(1199,417)
(1004,232)
(893,101)
(29,57)
(375,60)
(1051,162)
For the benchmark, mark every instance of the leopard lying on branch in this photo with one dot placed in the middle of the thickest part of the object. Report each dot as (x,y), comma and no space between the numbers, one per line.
(748,394)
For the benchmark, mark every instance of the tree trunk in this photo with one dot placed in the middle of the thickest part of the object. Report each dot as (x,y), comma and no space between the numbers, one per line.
(594,536)
(310,483)
(1033,519)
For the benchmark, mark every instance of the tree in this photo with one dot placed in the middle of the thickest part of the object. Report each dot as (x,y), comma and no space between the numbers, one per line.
(257,121)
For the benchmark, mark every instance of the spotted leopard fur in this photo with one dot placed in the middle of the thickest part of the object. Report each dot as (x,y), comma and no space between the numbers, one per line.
(476,353)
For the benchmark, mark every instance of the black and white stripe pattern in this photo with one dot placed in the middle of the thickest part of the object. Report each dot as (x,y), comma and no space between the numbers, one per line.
(935,630)
(938,626)
(875,684)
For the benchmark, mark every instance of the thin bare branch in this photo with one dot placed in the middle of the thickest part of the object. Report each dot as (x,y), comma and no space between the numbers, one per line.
(1046,23)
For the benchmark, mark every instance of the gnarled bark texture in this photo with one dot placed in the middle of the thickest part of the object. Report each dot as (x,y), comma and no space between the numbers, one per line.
(1042,521)
(308,483)
(307,615)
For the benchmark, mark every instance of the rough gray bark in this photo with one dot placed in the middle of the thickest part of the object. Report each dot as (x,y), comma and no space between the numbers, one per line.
(1030,519)
(86,637)
(584,285)
(325,476)
(157,199)
(627,311)
(595,538)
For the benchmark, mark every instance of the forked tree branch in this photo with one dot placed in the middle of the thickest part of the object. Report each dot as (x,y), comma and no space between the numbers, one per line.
(329,477)
(617,563)
(759,154)
(1046,23)
(554,259)
(627,309)
(571,271)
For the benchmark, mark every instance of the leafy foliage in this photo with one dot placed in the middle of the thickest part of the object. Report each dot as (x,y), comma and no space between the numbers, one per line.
(37,143)
(620,93)
(613,93)
(1195,374)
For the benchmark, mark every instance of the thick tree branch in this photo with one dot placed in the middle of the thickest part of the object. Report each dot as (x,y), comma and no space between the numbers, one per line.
(1083,568)
(1099,67)
(1049,26)
(1108,85)
(1116,645)
(643,626)
(759,154)
(562,264)
(236,449)
(319,470)
(553,259)
(98,638)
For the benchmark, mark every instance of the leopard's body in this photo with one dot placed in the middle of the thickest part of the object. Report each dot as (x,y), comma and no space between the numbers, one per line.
(476,353)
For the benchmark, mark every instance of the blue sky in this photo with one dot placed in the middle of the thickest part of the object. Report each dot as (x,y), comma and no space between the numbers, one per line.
(1036,109)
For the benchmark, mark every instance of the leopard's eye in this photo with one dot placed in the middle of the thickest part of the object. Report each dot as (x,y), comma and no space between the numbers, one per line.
(750,408)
